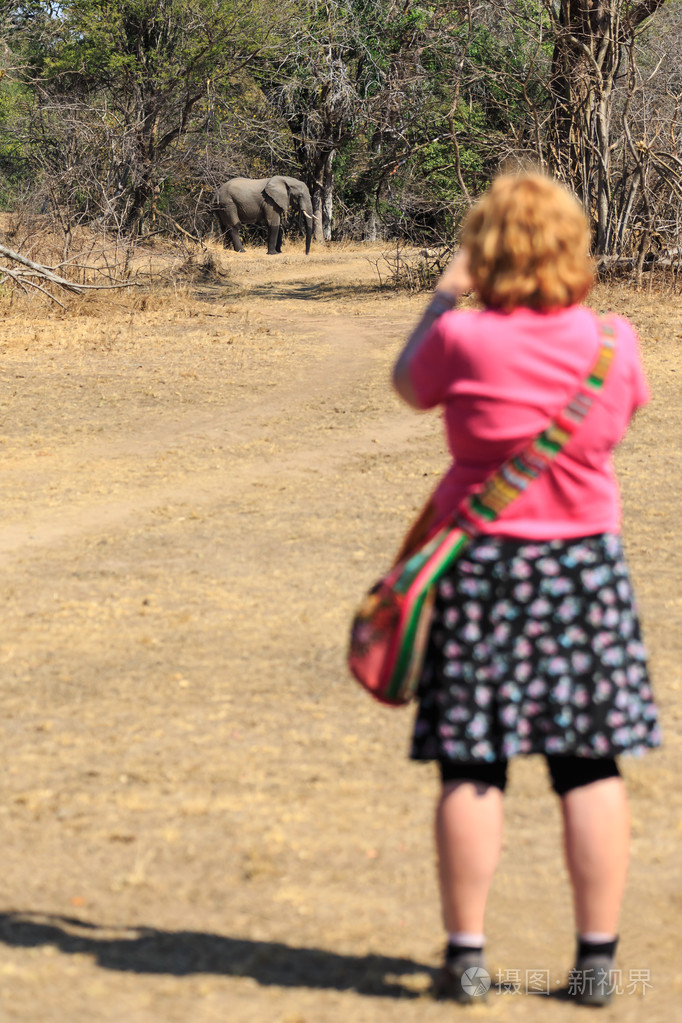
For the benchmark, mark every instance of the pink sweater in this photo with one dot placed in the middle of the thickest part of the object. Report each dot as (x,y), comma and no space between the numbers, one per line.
(500,377)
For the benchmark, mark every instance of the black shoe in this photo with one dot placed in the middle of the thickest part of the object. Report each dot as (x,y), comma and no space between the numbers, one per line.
(463,979)
(592,981)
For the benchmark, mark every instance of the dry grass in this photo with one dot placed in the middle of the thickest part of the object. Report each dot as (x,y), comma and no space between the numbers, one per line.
(92,259)
(203,819)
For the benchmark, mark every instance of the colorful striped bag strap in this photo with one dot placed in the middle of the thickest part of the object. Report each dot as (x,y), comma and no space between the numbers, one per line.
(514,476)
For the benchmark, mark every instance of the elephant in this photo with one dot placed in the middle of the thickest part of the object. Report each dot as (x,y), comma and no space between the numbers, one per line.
(261,201)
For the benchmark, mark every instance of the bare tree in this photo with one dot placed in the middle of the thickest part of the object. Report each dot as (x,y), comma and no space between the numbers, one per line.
(594,51)
(602,111)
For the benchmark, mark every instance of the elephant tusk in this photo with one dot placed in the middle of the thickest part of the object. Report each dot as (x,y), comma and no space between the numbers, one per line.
(306,214)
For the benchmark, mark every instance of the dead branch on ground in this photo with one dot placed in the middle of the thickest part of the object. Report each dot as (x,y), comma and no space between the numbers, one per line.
(28,276)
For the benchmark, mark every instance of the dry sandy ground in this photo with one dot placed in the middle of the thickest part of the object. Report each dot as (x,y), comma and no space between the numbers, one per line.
(203,819)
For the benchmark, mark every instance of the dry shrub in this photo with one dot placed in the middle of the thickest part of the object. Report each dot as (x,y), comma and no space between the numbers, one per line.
(202,268)
(33,235)
(418,270)
(660,275)
(86,249)
(97,260)
(413,270)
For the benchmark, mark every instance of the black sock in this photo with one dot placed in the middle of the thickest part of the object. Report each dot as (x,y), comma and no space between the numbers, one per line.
(455,952)
(601,948)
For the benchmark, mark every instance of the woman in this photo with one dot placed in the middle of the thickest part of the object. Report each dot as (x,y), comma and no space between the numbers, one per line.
(535,644)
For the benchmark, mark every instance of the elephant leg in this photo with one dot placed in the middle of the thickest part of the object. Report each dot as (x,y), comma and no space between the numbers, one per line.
(280,236)
(274,236)
(236,240)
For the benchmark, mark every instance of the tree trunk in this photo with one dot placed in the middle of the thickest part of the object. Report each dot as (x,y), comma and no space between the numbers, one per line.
(370,232)
(318,233)
(323,196)
(328,195)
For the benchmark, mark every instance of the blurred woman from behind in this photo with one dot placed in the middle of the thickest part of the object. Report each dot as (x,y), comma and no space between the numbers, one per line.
(535,645)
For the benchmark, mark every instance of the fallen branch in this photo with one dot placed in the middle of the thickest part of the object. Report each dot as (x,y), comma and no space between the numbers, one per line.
(23,282)
(42,271)
(27,278)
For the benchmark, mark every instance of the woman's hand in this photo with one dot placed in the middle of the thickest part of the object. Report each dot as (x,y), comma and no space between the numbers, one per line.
(456,278)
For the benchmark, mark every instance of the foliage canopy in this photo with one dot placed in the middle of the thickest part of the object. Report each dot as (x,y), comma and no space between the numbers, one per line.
(397,113)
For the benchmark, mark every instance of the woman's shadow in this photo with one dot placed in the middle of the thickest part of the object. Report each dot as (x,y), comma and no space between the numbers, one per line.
(148,950)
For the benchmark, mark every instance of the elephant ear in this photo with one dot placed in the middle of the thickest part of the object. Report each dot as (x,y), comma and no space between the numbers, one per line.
(276,189)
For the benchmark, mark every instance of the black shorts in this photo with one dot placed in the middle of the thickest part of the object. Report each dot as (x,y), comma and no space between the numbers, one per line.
(567,772)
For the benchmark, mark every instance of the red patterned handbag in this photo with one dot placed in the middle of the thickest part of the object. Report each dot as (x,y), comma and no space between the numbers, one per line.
(390,630)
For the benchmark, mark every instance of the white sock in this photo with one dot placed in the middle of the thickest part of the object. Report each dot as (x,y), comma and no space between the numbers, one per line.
(596,937)
(466,938)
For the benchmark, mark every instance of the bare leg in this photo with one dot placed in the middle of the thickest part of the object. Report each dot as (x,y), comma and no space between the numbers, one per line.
(469,818)
(596,843)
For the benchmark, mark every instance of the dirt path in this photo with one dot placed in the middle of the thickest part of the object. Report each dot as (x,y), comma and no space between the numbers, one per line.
(202,818)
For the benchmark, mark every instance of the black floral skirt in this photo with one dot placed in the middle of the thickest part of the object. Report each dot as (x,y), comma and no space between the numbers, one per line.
(535,647)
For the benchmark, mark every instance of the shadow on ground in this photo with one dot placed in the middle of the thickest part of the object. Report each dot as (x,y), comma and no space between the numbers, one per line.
(306,291)
(147,950)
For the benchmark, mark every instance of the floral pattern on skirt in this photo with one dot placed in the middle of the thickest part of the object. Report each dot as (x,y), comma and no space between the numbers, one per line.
(535,647)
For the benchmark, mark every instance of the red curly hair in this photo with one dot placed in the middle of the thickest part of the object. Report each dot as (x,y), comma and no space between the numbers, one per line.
(528,245)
